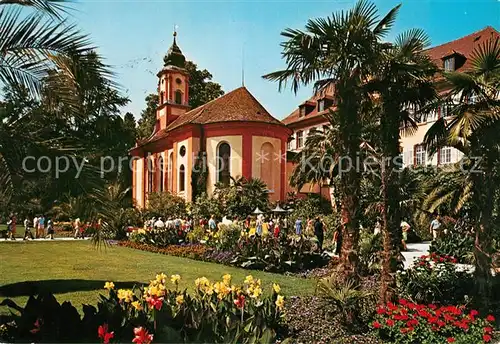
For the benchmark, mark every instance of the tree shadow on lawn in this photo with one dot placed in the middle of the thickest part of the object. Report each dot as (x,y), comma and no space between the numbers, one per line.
(57,286)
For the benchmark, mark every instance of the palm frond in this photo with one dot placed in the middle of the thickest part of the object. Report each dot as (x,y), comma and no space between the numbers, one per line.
(54,8)
(385,24)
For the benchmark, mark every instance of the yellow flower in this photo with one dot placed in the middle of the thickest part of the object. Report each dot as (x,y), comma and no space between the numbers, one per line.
(126,295)
(137,305)
(276,288)
(109,285)
(257,291)
(175,279)
(201,282)
(227,279)
(280,302)
(249,279)
(258,282)
(209,289)
(161,278)
(179,299)
(141,231)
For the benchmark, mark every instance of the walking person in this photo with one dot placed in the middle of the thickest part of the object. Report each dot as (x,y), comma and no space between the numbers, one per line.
(405,227)
(41,226)
(258,225)
(77,225)
(27,229)
(11,228)
(435,227)
(337,238)
(50,230)
(319,232)
(298,226)
(212,225)
(35,226)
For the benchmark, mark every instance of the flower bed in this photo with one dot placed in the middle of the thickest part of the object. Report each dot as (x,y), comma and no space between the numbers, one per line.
(408,322)
(160,312)
(192,251)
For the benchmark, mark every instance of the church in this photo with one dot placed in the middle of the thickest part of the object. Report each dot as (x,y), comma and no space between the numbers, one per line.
(190,150)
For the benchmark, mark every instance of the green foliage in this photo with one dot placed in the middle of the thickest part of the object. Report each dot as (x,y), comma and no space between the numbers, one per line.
(292,253)
(310,207)
(348,299)
(226,238)
(165,204)
(370,252)
(436,279)
(158,237)
(242,196)
(458,245)
(146,123)
(205,206)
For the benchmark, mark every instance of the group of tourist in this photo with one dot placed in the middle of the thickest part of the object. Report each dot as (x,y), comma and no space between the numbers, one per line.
(43,227)
(178,224)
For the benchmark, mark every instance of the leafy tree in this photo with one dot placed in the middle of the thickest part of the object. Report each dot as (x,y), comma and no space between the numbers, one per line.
(201,90)
(473,129)
(205,206)
(340,50)
(201,87)
(146,123)
(166,205)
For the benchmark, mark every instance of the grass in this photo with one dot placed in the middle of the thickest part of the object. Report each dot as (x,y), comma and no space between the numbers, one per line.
(76,271)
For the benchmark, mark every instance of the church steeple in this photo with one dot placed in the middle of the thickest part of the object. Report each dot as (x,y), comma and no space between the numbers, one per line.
(173,87)
(174,56)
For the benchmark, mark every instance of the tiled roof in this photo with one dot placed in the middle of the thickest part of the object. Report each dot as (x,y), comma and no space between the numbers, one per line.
(237,105)
(463,46)
(294,116)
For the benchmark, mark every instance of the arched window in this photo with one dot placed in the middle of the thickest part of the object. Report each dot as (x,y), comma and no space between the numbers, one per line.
(224,163)
(170,174)
(178,97)
(162,168)
(182,177)
(266,165)
(150,175)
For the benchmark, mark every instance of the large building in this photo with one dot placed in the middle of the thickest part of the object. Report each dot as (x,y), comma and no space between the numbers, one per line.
(450,56)
(231,136)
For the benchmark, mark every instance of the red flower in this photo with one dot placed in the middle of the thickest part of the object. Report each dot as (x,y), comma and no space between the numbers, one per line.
(391,306)
(490,318)
(380,310)
(376,324)
(448,317)
(407,329)
(389,322)
(450,340)
(240,301)
(103,333)
(155,302)
(488,329)
(142,336)
(432,306)
(474,312)
(440,323)
(403,302)
(411,306)
(486,337)
(37,324)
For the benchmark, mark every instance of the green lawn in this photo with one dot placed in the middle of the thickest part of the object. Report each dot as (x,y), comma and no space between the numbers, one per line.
(19,230)
(77,271)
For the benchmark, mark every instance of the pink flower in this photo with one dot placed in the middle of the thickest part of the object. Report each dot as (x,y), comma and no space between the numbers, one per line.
(240,301)
(490,318)
(37,324)
(142,336)
(103,333)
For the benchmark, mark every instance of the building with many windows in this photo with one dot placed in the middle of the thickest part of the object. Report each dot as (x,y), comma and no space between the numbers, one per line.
(450,56)
(231,136)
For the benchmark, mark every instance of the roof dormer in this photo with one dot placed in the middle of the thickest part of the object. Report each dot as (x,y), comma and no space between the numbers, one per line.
(306,108)
(325,103)
(453,60)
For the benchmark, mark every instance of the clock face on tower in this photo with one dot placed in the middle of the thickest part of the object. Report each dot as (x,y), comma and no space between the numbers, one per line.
(178,81)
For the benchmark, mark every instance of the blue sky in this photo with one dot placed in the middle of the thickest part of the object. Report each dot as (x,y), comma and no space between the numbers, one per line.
(133,36)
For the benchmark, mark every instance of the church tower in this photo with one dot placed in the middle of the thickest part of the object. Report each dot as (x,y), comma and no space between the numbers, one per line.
(173,87)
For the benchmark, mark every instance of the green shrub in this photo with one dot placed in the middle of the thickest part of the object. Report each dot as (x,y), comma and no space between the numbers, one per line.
(165,204)
(226,238)
(435,279)
(370,252)
(159,237)
(205,206)
(454,244)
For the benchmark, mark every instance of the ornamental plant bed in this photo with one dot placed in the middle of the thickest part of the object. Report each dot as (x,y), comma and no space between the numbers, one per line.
(192,251)
(407,322)
(161,312)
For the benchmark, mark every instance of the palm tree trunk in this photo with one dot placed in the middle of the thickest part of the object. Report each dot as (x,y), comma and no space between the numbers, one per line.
(391,212)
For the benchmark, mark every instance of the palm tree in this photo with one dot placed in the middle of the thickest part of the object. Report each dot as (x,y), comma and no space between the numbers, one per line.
(339,50)
(34,47)
(473,129)
(404,80)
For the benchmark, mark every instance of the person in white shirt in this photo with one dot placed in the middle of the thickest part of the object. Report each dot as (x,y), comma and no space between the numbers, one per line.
(159,224)
(435,227)
(35,225)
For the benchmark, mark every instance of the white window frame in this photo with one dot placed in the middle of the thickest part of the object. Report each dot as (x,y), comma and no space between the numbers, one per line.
(445,156)
(449,64)
(300,139)
(420,155)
